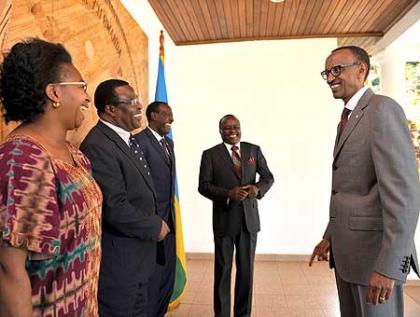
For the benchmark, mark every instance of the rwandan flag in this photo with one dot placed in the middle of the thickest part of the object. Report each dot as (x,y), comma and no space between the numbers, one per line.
(181,265)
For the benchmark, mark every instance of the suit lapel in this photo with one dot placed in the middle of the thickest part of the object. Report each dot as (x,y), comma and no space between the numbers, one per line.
(157,146)
(114,137)
(245,155)
(225,155)
(336,137)
(171,153)
(355,117)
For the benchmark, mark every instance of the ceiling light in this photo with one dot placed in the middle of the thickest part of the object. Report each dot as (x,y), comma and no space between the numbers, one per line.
(276,1)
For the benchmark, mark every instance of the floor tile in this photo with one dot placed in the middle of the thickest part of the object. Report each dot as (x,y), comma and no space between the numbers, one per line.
(289,289)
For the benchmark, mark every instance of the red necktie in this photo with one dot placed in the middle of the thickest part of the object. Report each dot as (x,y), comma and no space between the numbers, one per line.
(236,159)
(344,120)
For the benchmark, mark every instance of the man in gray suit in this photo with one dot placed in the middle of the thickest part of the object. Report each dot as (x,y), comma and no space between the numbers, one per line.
(375,194)
(131,226)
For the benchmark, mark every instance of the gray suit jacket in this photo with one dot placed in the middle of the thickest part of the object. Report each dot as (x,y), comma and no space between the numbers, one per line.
(375,197)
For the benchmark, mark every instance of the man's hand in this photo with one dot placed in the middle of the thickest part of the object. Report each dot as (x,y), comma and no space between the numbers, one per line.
(321,251)
(252,190)
(238,193)
(379,289)
(164,230)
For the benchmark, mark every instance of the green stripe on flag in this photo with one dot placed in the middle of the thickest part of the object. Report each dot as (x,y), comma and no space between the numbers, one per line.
(180,280)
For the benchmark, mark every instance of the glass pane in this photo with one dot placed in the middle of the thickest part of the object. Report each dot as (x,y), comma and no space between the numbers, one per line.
(412,90)
(373,80)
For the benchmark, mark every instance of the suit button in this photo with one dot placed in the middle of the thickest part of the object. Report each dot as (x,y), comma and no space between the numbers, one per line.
(333,192)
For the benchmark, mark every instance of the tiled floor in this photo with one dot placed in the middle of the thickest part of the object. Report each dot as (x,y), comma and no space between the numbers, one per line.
(280,289)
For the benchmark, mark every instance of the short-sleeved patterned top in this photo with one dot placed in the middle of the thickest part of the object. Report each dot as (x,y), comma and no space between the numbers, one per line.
(52,209)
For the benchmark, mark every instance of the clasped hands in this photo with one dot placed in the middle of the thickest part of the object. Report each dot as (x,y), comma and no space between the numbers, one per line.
(380,287)
(243,192)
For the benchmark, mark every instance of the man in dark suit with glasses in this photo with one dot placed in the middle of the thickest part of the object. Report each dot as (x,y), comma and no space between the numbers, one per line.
(130,224)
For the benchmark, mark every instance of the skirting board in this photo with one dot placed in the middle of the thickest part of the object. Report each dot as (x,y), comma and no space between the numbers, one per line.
(258,257)
(276,258)
(412,282)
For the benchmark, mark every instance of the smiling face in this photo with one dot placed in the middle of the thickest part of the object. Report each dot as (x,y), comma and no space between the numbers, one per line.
(161,121)
(72,96)
(127,111)
(230,130)
(350,80)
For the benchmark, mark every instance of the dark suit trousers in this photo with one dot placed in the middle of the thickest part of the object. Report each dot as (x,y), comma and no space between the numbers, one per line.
(116,297)
(161,283)
(353,303)
(123,304)
(244,243)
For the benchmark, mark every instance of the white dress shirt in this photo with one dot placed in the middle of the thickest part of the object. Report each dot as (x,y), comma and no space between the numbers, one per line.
(352,103)
(229,148)
(125,135)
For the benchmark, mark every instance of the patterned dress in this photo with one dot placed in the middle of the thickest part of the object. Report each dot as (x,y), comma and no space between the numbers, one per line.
(52,209)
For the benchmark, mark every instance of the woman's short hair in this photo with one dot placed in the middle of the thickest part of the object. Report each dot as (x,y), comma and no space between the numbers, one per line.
(26,71)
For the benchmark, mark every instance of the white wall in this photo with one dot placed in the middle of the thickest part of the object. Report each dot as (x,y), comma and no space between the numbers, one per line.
(143,13)
(275,89)
(392,61)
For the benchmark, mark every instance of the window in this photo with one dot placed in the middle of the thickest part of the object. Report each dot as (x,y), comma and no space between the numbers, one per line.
(373,80)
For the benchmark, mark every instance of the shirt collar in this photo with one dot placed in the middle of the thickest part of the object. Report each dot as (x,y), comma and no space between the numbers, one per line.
(229,146)
(125,135)
(352,103)
(156,135)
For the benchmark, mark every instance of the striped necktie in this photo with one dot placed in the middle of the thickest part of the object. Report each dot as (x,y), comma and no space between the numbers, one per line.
(165,148)
(138,153)
(236,159)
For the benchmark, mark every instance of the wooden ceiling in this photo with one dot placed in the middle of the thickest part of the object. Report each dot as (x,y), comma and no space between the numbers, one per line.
(357,22)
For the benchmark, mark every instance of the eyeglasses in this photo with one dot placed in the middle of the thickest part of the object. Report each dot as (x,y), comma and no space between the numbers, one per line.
(133,102)
(336,70)
(73,83)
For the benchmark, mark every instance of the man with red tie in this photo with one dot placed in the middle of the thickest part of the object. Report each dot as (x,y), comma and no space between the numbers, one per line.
(228,177)
(375,196)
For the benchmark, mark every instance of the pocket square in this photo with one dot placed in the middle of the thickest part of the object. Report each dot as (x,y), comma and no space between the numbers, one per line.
(251,160)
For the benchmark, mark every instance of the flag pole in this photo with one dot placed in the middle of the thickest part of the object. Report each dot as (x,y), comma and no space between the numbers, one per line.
(181,263)
(161,47)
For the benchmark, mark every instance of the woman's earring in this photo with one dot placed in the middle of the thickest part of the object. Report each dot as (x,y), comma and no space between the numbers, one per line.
(56,105)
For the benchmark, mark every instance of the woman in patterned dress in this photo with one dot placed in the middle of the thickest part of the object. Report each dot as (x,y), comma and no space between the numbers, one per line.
(50,206)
